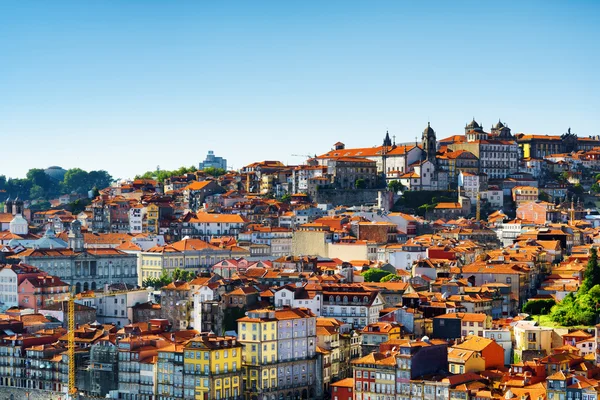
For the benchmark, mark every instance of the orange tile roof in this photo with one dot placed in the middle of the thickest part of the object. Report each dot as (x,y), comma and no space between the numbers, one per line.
(217,218)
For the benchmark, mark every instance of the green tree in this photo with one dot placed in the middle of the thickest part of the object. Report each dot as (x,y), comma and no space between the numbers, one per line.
(98,179)
(539,307)
(78,206)
(286,198)
(595,188)
(544,196)
(577,189)
(45,185)
(374,275)
(161,175)
(37,192)
(214,171)
(395,186)
(388,278)
(75,181)
(591,275)
(163,280)
(230,317)
(360,184)
(564,176)
(179,274)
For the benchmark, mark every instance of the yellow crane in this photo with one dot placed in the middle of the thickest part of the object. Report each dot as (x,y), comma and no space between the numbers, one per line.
(71,344)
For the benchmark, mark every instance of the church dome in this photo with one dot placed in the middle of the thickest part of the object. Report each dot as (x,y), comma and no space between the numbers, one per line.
(429,130)
(56,173)
(19,225)
(473,125)
(49,233)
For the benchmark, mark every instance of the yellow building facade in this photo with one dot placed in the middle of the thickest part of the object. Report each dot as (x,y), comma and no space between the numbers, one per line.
(279,353)
(258,334)
(213,368)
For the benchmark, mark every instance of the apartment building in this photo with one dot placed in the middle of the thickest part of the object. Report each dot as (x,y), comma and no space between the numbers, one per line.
(351,303)
(213,368)
(279,353)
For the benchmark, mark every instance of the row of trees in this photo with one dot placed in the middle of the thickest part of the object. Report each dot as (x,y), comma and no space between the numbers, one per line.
(161,175)
(37,185)
(581,308)
(165,278)
(379,275)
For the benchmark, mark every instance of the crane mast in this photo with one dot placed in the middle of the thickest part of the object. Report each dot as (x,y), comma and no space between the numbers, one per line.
(71,343)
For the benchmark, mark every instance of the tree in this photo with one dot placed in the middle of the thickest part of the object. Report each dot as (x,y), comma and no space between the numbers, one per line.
(564,176)
(597,178)
(163,280)
(577,189)
(36,192)
(214,171)
(75,181)
(78,206)
(395,186)
(179,274)
(286,198)
(374,274)
(543,196)
(595,188)
(46,186)
(591,275)
(230,317)
(360,184)
(389,277)
(99,179)
(539,307)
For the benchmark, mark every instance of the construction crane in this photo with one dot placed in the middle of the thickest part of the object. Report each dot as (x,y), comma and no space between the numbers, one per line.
(71,344)
(302,155)
(307,156)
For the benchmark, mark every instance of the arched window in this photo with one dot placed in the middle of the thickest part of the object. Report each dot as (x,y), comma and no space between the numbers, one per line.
(345,299)
(366,299)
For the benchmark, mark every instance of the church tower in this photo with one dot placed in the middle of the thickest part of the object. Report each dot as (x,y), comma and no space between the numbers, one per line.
(17,206)
(75,236)
(387,141)
(8,206)
(429,144)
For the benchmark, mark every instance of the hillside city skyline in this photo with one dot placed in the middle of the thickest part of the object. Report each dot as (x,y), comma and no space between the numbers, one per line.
(87,81)
(293,157)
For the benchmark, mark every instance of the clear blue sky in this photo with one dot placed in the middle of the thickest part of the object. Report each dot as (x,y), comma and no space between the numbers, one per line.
(129,85)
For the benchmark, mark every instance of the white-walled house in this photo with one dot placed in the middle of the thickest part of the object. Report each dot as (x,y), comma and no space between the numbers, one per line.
(9,296)
(296,297)
(136,218)
(402,256)
(204,293)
